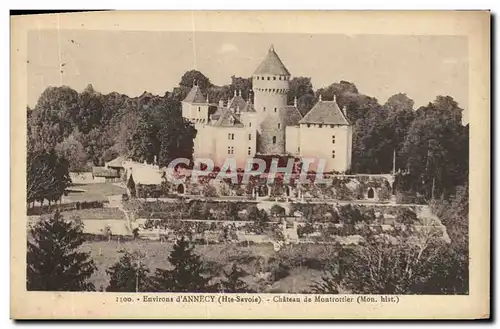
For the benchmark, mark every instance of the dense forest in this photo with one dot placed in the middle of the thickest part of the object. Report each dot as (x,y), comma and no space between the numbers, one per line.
(89,128)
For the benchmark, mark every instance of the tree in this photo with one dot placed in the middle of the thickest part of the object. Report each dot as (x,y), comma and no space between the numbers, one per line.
(57,108)
(347,95)
(400,115)
(176,139)
(454,214)
(128,274)
(232,282)
(436,149)
(192,76)
(162,132)
(305,103)
(299,86)
(90,105)
(189,273)
(404,264)
(47,176)
(54,262)
(240,84)
(72,150)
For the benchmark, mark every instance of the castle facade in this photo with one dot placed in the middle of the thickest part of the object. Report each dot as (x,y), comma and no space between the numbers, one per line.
(242,129)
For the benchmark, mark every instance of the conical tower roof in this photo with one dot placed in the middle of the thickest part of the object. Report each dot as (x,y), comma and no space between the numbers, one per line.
(195,96)
(272,65)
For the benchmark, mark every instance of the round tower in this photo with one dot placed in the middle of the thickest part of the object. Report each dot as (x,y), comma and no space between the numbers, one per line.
(271,83)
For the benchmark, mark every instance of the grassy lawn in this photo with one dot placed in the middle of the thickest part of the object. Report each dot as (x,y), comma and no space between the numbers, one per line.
(94,192)
(98,213)
(253,259)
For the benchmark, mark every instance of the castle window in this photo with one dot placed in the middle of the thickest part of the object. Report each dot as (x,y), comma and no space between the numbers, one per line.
(308,125)
(333,139)
(249,137)
(280,77)
(264,109)
(275,109)
(274,139)
(249,124)
(320,126)
(274,78)
(257,77)
(298,149)
(279,125)
(333,154)
(199,109)
(268,78)
(249,150)
(230,150)
(230,136)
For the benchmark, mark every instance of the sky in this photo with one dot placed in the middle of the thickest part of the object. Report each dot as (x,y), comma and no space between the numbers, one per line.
(133,62)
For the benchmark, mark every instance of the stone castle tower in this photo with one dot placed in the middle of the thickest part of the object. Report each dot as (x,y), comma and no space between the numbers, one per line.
(270,83)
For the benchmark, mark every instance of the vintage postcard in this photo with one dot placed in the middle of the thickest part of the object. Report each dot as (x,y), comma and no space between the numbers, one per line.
(251,165)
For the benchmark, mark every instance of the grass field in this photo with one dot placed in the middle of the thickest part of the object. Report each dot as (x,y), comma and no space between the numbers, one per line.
(219,257)
(94,192)
(98,213)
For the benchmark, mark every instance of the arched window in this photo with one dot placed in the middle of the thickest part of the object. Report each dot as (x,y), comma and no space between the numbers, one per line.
(275,109)
(274,139)
(279,125)
(274,78)
(268,78)
(371,194)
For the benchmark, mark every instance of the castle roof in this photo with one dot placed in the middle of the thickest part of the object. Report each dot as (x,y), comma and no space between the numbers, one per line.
(288,116)
(237,101)
(249,107)
(232,106)
(272,65)
(326,112)
(228,119)
(195,96)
